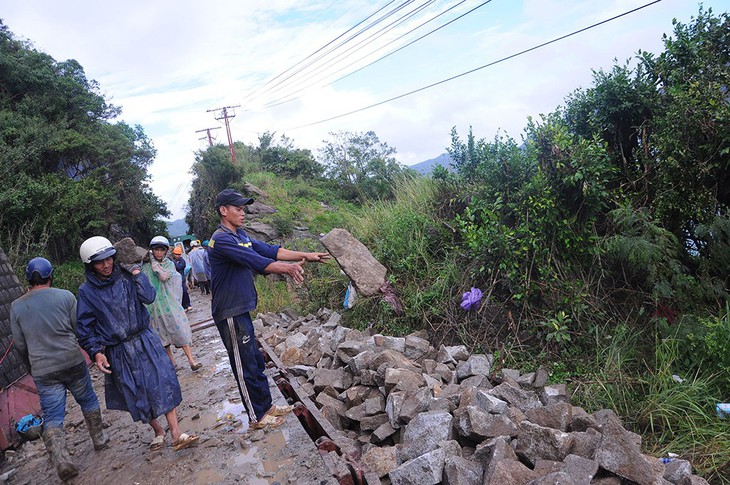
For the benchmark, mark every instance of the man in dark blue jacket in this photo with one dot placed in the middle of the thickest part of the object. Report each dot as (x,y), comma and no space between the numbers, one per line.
(234,260)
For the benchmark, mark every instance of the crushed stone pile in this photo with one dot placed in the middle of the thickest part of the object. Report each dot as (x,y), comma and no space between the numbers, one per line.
(421,415)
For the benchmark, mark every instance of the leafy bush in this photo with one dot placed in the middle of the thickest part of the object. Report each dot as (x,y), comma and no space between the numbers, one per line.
(705,348)
(69,275)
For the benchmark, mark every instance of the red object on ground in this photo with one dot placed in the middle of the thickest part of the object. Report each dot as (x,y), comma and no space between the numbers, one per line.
(17,400)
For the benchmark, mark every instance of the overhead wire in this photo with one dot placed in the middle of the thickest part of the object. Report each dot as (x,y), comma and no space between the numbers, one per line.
(283,99)
(419,38)
(471,71)
(341,43)
(320,49)
(355,47)
(324,10)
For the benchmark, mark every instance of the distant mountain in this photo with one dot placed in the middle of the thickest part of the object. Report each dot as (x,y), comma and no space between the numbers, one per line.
(177,227)
(427,166)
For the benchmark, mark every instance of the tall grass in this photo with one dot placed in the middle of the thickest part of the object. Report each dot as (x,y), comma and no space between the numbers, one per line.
(273,295)
(671,416)
(406,235)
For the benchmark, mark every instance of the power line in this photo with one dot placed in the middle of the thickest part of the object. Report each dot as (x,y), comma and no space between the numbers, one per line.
(336,58)
(283,100)
(351,37)
(318,50)
(419,38)
(477,68)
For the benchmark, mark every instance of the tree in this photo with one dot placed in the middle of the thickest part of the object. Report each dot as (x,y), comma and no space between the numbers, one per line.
(283,159)
(666,125)
(68,172)
(212,172)
(362,166)
(692,127)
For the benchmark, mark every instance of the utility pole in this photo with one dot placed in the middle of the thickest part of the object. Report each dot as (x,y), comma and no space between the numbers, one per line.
(224,114)
(210,138)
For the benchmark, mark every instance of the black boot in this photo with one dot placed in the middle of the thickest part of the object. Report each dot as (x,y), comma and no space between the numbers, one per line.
(55,440)
(96,429)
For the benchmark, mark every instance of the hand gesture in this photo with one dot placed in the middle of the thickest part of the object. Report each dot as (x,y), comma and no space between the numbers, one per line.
(132,268)
(296,271)
(317,257)
(102,363)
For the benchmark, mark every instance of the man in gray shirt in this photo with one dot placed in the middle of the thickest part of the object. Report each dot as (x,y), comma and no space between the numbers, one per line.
(43,322)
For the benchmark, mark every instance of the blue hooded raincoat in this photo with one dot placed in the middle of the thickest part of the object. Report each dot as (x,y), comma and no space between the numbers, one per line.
(112,319)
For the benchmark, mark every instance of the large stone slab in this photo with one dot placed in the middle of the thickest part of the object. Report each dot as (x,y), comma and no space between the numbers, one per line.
(261,231)
(424,433)
(519,398)
(489,453)
(340,379)
(509,472)
(536,442)
(556,416)
(475,365)
(477,425)
(259,209)
(366,272)
(427,469)
(621,455)
(381,460)
(460,471)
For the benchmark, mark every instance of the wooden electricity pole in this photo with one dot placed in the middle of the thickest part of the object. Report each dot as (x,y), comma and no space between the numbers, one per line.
(210,138)
(224,114)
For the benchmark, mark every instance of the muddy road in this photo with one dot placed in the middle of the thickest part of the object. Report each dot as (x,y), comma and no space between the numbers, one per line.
(228,452)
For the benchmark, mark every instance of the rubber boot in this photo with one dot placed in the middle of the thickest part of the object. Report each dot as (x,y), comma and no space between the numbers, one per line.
(96,429)
(55,440)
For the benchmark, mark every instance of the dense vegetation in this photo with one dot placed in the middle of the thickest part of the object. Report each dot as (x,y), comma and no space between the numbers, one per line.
(600,239)
(601,243)
(68,171)
(354,168)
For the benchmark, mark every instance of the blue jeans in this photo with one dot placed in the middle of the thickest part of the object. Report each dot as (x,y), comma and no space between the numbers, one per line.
(52,390)
(255,392)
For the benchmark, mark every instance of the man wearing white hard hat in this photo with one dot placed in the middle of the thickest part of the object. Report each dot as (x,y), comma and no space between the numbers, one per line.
(114,329)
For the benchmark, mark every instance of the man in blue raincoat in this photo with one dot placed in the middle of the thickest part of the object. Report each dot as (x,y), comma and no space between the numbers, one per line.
(114,329)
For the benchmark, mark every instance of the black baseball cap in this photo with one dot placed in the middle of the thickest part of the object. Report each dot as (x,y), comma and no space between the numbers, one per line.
(231,197)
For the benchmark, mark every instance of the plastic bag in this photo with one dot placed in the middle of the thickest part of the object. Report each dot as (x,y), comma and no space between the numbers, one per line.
(26,422)
(350,297)
(471,298)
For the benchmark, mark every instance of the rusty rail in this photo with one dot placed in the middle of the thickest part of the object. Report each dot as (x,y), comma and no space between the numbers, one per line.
(338,452)
(202,325)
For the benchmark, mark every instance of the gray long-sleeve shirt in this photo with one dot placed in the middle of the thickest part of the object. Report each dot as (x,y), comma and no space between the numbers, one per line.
(43,322)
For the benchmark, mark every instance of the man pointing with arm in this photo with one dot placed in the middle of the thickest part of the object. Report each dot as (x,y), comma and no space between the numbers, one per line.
(234,260)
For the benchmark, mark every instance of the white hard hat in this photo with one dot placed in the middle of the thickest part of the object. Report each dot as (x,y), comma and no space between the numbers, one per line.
(160,241)
(96,248)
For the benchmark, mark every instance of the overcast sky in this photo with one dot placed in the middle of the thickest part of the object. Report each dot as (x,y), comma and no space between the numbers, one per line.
(165,63)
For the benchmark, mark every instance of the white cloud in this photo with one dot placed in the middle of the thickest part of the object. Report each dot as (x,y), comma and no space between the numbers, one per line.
(166,62)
